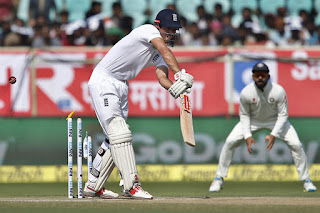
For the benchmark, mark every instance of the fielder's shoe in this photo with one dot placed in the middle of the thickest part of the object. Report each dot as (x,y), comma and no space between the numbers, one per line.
(139,193)
(216,184)
(103,193)
(308,186)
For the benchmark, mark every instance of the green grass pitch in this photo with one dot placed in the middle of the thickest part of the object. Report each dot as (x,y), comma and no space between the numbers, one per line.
(262,197)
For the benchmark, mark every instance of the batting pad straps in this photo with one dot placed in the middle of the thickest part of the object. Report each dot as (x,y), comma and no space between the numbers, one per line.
(118,131)
(107,166)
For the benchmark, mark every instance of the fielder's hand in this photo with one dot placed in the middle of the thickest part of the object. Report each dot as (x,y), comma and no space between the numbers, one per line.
(184,77)
(270,139)
(249,142)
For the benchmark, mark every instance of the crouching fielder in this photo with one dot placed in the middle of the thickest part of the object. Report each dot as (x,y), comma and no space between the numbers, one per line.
(263,105)
(145,46)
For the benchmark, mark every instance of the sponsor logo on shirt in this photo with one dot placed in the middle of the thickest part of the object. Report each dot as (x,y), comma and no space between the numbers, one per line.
(155,58)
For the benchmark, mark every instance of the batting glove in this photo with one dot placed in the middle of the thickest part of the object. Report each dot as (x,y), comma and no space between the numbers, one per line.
(184,77)
(177,88)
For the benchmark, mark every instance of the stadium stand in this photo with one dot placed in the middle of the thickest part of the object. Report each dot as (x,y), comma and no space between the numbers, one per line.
(188,10)
(238,5)
(136,9)
(107,7)
(23,8)
(271,6)
(210,20)
(294,6)
(155,6)
(317,8)
(77,8)
(209,5)
(60,4)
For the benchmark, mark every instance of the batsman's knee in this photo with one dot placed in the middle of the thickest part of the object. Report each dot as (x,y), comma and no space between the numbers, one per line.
(118,131)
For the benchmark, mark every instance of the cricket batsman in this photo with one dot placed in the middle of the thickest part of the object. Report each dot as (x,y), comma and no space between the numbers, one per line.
(145,46)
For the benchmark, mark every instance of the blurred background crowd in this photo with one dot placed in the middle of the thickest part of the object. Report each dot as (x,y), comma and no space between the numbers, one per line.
(272,23)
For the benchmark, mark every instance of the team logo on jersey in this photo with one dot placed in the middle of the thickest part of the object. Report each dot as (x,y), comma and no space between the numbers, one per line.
(174,17)
(254,101)
(155,58)
(106,102)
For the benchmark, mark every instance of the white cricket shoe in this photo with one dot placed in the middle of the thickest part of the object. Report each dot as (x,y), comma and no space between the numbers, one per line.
(103,193)
(216,184)
(139,193)
(308,186)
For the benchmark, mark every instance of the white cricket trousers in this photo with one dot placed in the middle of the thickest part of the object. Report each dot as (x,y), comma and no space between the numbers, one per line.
(288,135)
(109,97)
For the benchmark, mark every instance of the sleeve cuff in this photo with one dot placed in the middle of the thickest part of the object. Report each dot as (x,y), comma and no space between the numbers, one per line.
(274,134)
(246,136)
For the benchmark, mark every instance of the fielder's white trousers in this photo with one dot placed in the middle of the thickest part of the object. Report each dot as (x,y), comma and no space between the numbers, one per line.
(288,135)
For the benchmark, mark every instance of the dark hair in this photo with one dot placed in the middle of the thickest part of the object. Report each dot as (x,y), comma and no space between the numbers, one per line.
(116,5)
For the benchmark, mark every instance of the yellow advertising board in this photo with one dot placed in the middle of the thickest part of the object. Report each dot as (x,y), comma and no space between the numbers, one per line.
(161,173)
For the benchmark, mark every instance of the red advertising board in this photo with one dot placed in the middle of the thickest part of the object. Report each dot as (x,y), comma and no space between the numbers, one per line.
(148,98)
(301,82)
(55,83)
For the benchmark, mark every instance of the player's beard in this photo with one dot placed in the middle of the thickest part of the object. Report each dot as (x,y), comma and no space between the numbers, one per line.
(261,84)
(171,38)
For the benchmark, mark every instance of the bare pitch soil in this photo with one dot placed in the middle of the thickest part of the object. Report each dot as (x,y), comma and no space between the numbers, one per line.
(292,201)
(186,197)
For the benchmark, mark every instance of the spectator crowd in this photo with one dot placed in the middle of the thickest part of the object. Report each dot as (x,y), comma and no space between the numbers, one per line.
(217,28)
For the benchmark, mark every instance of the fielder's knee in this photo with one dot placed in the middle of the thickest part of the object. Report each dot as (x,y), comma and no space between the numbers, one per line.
(296,147)
(231,143)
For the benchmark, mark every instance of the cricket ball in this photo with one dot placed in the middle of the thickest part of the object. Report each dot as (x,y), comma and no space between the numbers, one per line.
(12,80)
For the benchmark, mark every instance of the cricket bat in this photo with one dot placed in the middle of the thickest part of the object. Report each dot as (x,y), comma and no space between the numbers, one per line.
(186,120)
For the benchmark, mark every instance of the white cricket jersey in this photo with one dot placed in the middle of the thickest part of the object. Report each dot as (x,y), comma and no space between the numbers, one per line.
(263,108)
(132,53)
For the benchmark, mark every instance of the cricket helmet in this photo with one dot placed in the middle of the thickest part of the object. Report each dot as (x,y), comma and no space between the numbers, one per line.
(168,18)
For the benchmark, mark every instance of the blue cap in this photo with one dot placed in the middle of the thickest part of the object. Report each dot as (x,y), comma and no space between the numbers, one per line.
(168,18)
